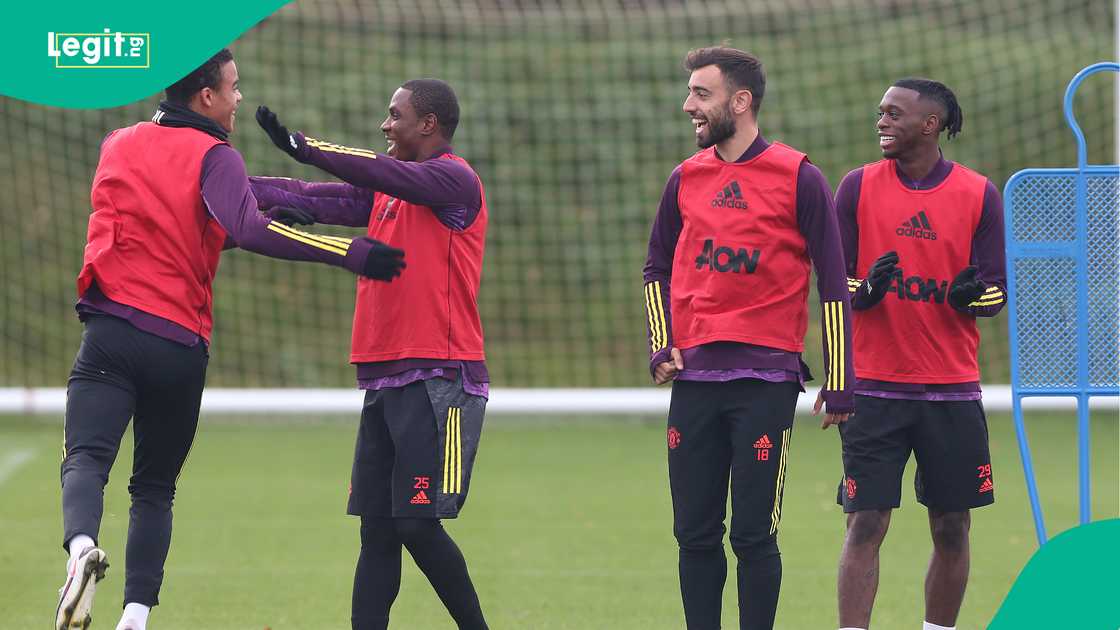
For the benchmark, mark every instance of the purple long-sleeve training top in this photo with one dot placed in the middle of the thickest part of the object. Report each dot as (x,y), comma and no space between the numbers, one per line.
(728,360)
(224,186)
(450,189)
(987,255)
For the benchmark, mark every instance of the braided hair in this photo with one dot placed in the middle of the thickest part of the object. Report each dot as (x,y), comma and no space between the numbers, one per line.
(935,90)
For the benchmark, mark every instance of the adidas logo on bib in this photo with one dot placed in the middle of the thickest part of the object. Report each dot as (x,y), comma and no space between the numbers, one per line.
(917,227)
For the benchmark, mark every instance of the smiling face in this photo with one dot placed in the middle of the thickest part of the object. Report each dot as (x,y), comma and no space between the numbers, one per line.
(709,105)
(220,103)
(906,122)
(403,128)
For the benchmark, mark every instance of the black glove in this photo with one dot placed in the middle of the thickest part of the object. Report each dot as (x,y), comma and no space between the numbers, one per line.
(966,288)
(874,287)
(290,216)
(382,262)
(278,133)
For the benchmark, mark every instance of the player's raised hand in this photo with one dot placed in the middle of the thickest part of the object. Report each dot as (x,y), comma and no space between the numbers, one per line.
(287,142)
(966,288)
(668,370)
(829,418)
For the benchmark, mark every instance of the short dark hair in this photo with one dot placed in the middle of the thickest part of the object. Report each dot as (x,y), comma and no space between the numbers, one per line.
(432,96)
(937,91)
(740,69)
(208,75)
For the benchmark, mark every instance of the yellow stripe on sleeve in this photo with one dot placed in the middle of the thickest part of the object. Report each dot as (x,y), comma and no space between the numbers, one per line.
(333,241)
(834,338)
(654,337)
(830,344)
(840,338)
(657,328)
(660,314)
(338,148)
(988,302)
(833,350)
(338,239)
(307,239)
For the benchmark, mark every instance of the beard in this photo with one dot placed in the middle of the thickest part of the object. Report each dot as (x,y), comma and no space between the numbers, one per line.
(720,128)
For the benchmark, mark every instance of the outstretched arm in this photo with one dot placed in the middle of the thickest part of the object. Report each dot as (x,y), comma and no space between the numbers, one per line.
(333,203)
(448,187)
(226,194)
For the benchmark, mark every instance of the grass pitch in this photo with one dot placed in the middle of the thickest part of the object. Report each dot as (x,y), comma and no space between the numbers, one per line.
(568,526)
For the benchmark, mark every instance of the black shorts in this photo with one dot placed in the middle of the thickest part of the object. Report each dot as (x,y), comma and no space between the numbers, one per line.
(950,444)
(415,449)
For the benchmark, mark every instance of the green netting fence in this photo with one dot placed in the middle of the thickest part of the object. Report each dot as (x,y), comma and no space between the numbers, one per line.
(572,116)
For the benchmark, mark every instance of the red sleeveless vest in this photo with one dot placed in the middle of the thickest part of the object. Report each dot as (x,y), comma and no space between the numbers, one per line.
(914,335)
(741,267)
(431,310)
(151,243)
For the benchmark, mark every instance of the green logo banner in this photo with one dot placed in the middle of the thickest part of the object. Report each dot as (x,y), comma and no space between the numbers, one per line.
(105,54)
(1073,581)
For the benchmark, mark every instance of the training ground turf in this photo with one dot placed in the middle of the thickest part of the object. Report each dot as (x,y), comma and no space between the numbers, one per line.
(568,526)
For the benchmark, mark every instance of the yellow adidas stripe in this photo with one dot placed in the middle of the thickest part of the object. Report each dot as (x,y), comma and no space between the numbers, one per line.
(837,337)
(341,151)
(830,341)
(654,337)
(458,450)
(337,148)
(992,289)
(332,241)
(307,239)
(779,484)
(659,335)
(661,314)
(987,302)
(834,337)
(331,145)
(828,344)
(447,454)
(339,239)
(840,360)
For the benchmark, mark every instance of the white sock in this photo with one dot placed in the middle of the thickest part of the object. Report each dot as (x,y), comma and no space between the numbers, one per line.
(77,545)
(932,626)
(137,614)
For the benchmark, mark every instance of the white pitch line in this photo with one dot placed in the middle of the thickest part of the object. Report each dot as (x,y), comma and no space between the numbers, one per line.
(10,462)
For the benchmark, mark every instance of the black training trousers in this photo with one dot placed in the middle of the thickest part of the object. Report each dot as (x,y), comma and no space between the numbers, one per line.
(733,433)
(122,373)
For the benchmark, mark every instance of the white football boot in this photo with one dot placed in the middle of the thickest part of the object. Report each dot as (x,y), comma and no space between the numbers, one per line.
(75,598)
